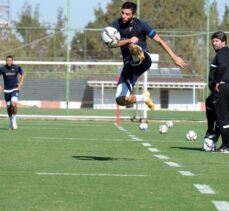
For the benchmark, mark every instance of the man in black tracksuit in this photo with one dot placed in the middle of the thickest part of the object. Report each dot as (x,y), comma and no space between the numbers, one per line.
(220,69)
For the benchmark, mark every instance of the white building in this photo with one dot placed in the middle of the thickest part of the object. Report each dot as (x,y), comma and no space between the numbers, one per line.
(168,89)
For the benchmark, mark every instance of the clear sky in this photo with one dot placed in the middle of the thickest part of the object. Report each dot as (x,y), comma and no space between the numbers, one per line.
(82,11)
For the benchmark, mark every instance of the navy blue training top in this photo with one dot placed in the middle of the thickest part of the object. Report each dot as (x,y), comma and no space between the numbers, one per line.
(137,28)
(10,77)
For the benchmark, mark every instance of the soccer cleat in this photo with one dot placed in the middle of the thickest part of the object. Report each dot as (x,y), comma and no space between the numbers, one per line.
(137,51)
(148,101)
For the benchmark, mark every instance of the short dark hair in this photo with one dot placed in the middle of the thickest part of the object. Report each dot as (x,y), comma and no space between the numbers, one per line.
(130,5)
(9,57)
(220,35)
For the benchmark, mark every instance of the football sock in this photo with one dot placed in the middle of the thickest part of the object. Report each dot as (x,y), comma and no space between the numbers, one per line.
(140,98)
(13,118)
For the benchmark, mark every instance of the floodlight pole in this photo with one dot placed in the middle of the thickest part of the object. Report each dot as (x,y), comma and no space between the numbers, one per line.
(207,43)
(68,54)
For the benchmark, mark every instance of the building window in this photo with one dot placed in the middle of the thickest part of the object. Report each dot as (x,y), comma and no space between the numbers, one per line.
(164,98)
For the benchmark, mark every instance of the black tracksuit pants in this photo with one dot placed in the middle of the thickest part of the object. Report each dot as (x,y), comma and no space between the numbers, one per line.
(222,112)
(213,126)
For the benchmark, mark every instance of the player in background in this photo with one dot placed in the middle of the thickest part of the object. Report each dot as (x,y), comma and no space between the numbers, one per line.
(12,87)
(220,69)
(213,131)
(134,50)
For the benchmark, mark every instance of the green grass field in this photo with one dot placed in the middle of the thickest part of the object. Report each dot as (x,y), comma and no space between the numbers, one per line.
(86,165)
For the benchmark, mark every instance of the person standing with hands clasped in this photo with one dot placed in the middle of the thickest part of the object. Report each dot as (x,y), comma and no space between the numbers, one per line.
(220,69)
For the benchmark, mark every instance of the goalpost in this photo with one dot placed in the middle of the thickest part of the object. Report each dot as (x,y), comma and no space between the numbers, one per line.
(51,84)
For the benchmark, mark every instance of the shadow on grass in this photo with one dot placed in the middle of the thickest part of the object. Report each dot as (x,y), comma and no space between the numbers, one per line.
(96,158)
(4,128)
(188,148)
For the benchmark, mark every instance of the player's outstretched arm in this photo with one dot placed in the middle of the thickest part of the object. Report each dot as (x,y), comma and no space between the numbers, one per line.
(176,59)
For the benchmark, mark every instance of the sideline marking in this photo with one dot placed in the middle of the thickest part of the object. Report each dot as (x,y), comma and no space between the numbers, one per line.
(153,150)
(95,175)
(186,173)
(132,136)
(137,139)
(204,189)
(173,164)
(221,205)
(162,157)
(78,139)
(146,144)
(122,128)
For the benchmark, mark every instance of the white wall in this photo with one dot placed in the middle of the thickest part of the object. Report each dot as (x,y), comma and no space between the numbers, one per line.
(178,99)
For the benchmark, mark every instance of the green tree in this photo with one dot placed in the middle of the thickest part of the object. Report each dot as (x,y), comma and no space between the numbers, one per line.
(186,18)
(214,24)
(87,44)
(58,43)
(214,17)
(15,46)
(225,21)
(35,36)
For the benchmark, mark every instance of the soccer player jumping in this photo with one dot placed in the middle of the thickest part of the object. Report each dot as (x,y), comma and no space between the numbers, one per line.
(136,59)
(12,87)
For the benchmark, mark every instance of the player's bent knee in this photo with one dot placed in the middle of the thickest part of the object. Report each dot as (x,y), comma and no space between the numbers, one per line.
(122,101)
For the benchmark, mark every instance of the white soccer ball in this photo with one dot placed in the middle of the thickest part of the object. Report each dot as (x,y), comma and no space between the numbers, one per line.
(169,123)
(191,135)
(143,126)
(110,36)
(163,129)
(209,144)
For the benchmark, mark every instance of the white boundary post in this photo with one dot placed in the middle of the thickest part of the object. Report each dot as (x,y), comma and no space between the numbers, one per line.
(145,85)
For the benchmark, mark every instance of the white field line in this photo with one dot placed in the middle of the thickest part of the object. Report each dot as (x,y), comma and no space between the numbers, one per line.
(137,139)
(204,189)
(62,117)
(146,144)
(173,164)
(186,173)
(122,128)
(162,157)
(79,139)
(95,175)
(132,136)
(153,150)
(46,123)
(221,205)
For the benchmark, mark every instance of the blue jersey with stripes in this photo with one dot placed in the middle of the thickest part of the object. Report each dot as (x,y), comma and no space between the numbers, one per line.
(137,28)
(10,78)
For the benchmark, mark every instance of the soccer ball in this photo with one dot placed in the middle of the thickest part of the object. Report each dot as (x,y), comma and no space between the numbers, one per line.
(169,123)
(143,126)
(163,129)
(191,135)
(110,36)
(209,144)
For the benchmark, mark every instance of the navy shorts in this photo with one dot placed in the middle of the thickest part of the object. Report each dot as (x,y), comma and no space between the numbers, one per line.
(130,75)
(11,96)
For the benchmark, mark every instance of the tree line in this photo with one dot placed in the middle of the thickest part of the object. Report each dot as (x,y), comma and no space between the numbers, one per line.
(181,23)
